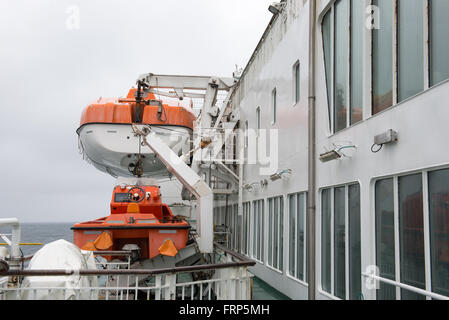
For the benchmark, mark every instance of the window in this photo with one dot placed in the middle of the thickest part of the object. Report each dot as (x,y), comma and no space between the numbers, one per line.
(410,48)
(340,215)
(400,49)
(296,83)
(343,29)
(411,234)
(356,82)
(246,228)
(355,264)
(339,243)
(258,118)
(439,230)
(327,42)
(414,207)
(439,44)
(341,65)
(382,62)
(246,134)
(297,235)
(233,211)
(326,242)
(258,230)
(275,232)
(274,105)
(385,255)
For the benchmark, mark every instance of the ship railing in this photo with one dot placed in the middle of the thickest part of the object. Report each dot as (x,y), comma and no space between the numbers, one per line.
(227,278)
(426,293)
(114,264)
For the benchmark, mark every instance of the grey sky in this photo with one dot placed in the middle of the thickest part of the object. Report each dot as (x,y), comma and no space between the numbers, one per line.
(49,73)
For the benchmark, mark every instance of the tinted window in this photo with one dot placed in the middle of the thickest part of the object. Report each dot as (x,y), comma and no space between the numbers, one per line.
(121,197)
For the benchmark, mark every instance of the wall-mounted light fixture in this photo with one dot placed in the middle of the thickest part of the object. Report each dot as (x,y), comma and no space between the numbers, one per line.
(337,153)
(387,137)
(283,174)
(329,156)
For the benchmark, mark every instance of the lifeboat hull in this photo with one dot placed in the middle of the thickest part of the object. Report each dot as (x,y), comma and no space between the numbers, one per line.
(107,140)
(114,149)
(147,233)
(138,217)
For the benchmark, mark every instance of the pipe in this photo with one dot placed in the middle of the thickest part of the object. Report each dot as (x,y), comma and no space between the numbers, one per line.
(311,195)
(240,195)
(125,272)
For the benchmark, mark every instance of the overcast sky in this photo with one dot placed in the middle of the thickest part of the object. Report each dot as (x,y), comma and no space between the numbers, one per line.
(50,70)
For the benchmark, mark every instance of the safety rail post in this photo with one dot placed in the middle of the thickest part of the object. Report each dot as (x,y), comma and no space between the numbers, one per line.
(170,290)
(243,284)
(16,258)
(158,285)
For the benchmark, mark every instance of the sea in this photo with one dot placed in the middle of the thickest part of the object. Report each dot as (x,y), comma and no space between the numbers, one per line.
(48,232)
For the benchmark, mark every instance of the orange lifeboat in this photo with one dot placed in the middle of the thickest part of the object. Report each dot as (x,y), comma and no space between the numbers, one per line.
(107,140)
(138,217)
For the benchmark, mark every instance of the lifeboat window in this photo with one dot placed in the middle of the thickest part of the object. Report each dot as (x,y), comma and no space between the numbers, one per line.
(121,197)
(115,221)
(146,221)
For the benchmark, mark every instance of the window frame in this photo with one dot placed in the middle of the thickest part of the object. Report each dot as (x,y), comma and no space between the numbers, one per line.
(426,223)
(280,234)
(368,103)
(258,247)
(246,229)
(287,227)
(332,237)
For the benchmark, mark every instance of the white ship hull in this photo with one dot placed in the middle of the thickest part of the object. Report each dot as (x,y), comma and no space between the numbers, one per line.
(405,181)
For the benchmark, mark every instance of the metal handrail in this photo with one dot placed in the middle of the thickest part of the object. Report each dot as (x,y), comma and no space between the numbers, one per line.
(407,287)
(112,253)
(244,262)
(97,253)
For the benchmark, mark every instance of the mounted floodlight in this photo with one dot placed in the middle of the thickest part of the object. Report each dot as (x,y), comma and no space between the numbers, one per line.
(282,174)
(329,156)
(276,7)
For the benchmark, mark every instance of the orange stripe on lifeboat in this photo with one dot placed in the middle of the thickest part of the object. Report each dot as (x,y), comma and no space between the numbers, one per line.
(113,111)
